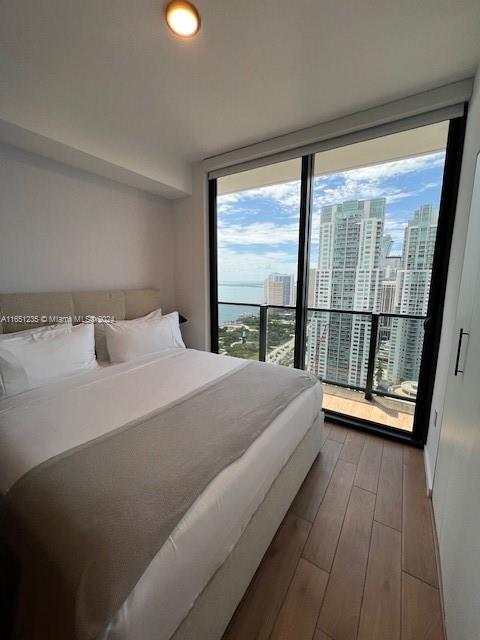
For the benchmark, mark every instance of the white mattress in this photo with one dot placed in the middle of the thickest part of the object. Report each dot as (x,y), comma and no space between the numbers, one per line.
(43,422)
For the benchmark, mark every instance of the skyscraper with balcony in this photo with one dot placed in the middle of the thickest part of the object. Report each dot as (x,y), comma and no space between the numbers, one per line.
(348,276)
(412,293)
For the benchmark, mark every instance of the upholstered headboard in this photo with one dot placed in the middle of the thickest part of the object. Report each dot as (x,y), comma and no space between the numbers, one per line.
(19,311)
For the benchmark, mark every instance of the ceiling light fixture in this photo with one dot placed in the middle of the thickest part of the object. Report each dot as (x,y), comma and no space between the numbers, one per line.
(182,18)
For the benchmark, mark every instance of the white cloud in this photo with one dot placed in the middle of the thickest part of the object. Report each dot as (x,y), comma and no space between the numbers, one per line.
(395,228)
(357,184)
(374,181)
(252,267)
(257,233)
(431,185)
(286,194)
(226,203)
(378,172)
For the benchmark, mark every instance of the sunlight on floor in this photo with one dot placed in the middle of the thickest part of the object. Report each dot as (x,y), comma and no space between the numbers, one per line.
(386,411)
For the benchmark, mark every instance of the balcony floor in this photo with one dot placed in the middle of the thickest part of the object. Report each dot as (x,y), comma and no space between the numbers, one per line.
(386,411)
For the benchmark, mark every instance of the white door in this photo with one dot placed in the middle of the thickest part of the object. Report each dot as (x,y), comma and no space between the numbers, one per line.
(456,492)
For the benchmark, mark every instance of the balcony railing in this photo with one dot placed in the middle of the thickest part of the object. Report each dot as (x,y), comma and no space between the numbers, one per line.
(369,387)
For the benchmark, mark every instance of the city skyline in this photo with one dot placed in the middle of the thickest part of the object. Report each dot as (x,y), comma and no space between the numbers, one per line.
(356,271)
(258,228)
(371,250)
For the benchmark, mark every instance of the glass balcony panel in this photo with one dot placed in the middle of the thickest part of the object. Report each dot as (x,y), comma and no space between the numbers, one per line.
(337,351)
(337,347)
(281,336)
(239,331)
(398,357)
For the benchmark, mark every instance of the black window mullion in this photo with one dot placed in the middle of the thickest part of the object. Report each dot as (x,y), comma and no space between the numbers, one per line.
(438,283)
(306,195)
(212,238)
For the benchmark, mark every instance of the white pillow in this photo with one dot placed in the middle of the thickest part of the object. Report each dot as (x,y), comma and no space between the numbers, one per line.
(100,337)
(153,315)
(131,339)
(7,362)
(35,357)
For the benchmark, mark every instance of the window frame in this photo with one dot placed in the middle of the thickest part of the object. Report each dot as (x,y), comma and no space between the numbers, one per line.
(441,260)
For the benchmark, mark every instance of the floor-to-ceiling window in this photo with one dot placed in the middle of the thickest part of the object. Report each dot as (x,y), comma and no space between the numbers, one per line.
(258,215)
(375,217)
(368,233)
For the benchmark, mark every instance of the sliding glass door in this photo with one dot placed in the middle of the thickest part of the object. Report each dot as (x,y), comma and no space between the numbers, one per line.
(375,220)
(327,262)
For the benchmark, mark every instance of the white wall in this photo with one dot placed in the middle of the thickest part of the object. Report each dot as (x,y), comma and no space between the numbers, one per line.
(449,333)
(65,229)
(192,262)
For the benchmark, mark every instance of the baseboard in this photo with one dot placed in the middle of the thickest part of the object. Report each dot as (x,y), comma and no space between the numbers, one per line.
(439,566)
(428,472)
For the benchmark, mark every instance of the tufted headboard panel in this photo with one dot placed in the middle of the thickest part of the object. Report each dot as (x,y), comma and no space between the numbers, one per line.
(19,311)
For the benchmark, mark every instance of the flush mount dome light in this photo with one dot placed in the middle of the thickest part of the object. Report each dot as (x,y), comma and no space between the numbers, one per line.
(182,18)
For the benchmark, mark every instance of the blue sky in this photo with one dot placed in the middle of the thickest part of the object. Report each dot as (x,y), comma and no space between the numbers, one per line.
(258,228)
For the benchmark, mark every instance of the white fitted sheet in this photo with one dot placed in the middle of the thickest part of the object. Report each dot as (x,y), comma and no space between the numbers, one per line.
(40,423)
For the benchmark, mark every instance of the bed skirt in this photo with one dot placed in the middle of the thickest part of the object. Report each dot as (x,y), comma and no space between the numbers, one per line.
(214,607)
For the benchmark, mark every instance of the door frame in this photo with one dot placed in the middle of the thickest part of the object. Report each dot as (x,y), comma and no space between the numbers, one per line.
(438,285)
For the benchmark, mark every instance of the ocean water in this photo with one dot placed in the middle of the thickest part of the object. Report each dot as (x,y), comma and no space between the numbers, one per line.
(238,292)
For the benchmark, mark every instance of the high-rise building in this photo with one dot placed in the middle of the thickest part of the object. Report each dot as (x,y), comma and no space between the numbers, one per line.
(279,289)
(312,286)
(388,289)
(412,293)
(348,277)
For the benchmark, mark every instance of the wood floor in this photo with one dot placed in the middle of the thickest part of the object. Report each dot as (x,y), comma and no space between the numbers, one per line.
(354,558)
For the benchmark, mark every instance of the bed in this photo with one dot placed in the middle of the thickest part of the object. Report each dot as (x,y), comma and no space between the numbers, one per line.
(192,584)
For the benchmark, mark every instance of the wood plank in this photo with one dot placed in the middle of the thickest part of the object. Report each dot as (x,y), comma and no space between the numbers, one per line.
(323,538)
(380,615)
(353,446)
(319,635)
(421,611)
(257,612)
(340,611)
(418,540)
(369,464)
(388,508)
(412,455)
(299,612)
(312,491)
(326,429)
(337,433)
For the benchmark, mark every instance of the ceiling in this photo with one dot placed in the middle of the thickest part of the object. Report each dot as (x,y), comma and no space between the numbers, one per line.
(106,82)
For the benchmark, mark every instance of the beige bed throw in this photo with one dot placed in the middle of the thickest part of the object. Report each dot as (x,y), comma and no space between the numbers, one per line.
(93,518)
